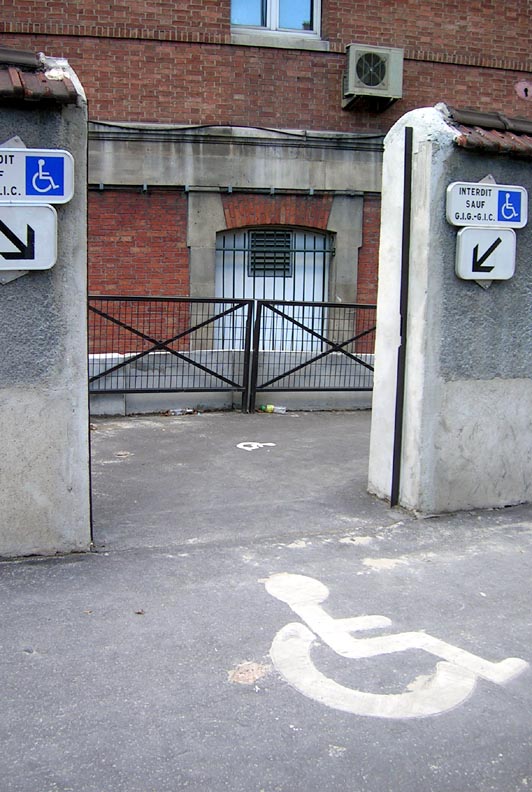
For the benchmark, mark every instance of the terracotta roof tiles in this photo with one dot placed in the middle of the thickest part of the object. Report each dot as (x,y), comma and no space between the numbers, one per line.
(24,77)
(493,133)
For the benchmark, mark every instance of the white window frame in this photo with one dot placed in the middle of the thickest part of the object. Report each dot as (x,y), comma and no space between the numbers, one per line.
(272,23)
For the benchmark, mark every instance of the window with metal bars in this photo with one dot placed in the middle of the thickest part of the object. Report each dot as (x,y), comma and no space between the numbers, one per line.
(275,263)
(269,262)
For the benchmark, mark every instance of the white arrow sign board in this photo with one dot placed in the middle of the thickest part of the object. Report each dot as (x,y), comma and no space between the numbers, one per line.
(485,253)
(28,237)
(36,175)
(483,204)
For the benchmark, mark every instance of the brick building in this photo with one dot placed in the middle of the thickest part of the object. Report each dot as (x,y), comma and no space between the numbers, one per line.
(227,126)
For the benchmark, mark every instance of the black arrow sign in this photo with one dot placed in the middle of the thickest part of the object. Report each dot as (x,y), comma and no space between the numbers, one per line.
(25,250)
(478,262)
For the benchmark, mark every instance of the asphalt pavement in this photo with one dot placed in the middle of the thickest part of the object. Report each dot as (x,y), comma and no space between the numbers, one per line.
(252,620)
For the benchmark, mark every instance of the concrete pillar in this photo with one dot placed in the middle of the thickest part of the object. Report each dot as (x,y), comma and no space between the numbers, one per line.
(467,438)
(44,459)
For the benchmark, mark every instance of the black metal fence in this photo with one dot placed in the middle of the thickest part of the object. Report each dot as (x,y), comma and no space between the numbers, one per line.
(157,344)
(306,346)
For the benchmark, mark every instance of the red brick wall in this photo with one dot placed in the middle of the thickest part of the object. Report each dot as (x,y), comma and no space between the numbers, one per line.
(297,210)
(368,256)
(486,30)
(201,83)
(185,20)
(138,243)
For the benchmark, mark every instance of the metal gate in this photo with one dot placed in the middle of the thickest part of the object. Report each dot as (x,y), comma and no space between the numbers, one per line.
(163,344)
(333,354)
(158,344)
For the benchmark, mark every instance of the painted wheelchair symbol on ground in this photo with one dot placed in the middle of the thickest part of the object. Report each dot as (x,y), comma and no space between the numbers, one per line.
(249,445)
(452,682)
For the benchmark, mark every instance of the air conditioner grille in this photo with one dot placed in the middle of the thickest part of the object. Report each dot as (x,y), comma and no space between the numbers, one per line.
(371,69)
(372,72)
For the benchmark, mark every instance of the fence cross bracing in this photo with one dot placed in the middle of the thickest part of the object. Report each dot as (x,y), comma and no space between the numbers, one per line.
(179,344)
(312,346)
(158,344)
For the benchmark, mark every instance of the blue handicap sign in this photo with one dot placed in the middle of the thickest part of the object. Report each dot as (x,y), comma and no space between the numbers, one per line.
(45,176)
(509,206)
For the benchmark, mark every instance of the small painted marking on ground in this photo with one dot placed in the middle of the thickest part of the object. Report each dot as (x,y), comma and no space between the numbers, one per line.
(250,445)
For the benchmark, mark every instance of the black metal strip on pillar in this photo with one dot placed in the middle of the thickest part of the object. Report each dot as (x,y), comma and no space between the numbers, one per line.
(403,312)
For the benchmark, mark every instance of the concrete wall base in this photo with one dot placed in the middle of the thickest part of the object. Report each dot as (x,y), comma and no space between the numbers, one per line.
(131,404)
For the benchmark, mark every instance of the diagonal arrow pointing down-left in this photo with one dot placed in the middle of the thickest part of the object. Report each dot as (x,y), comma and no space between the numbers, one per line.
(478,261)
(25,250)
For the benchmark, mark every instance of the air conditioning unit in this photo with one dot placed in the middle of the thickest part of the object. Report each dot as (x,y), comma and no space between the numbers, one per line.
(372,72)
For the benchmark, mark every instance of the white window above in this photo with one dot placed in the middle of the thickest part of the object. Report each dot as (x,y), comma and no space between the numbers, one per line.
(292,19)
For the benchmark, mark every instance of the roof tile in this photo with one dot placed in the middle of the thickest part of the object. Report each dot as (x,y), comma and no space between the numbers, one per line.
(492,132)
(23,78)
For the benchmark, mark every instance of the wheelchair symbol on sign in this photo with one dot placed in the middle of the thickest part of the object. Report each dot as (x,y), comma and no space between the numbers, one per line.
(507,210)
(452,682)
(45,176)
(42,181)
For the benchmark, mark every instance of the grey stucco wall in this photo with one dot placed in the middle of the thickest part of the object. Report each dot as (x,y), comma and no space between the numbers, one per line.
(488,332)
(213,157)
(44,465)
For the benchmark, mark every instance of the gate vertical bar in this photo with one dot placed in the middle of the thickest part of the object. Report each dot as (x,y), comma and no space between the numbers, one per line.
(246,394)
(255,356)
(403,315)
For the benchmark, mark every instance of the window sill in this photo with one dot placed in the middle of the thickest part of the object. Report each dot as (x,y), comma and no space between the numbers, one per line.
(263,38)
